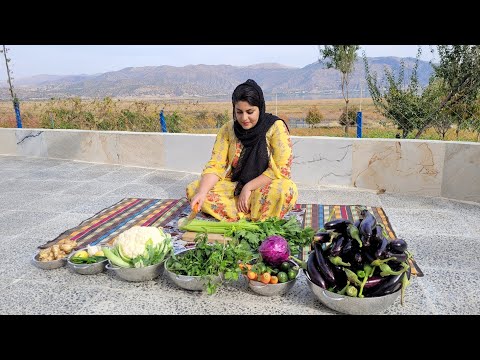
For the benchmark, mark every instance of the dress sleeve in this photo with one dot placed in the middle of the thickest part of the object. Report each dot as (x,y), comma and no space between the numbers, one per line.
(218,161)
(281,154)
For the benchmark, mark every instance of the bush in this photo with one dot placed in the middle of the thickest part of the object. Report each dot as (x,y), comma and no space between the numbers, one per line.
(314,116)
(352,116)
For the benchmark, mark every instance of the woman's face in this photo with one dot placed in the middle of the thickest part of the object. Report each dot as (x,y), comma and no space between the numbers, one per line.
(246,114)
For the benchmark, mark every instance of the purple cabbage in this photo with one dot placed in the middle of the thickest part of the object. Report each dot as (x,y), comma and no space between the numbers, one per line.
(274,250)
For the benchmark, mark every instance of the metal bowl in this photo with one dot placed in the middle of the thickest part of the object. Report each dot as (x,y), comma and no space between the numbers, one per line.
(194,283)
(48,265)
(86,269)
(137,274)
(271,289)
(352,305)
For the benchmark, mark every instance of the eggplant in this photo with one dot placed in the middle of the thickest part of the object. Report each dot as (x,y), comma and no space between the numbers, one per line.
(368,257)
(357,223)
(325,270)
(321,237)
(367,226)
(313,273)
(337,246)
(374,281)
(382,248)
(347,246)
(358,259)
(392,284)
(397,246)
(339,225)
(340,276)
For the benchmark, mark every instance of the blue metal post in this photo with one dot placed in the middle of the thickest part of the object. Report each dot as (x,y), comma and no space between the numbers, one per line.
(359,124)
(163,123)
(16,106)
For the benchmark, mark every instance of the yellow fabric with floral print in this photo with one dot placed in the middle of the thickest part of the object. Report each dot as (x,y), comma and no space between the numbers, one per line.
(275,199)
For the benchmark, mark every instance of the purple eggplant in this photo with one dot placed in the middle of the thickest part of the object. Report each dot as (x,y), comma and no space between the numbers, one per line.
(374,281)
(347,246)
(382,247)
(392,284)
(366,227)
(337,246)
(325,270)
(338,225)
(397,246)
(313,272)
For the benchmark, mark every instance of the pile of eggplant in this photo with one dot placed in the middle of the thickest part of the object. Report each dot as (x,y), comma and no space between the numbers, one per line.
(358,260)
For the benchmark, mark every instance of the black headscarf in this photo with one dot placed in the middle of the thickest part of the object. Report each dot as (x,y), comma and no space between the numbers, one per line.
(253,159)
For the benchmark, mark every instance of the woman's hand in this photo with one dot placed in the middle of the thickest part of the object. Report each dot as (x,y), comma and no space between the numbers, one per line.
(198,199)
(243,202)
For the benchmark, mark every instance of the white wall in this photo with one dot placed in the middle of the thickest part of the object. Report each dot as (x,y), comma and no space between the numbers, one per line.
(424,167)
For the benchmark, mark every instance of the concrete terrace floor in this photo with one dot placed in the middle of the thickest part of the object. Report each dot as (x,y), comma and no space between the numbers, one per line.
(41,198)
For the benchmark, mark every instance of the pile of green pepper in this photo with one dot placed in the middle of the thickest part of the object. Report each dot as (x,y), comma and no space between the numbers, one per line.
(358,260)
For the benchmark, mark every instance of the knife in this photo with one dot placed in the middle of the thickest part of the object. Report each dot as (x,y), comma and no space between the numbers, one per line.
(192,215)
(415,268)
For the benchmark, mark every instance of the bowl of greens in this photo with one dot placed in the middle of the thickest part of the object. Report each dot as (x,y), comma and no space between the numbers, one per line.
(179,266)
(87,261)
(206,266)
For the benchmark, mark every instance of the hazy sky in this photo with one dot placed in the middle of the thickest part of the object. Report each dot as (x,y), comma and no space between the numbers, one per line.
(28,60)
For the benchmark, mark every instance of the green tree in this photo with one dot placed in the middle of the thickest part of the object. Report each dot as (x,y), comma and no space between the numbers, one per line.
(314,116)
(342,58)
(402,104)
(459,72)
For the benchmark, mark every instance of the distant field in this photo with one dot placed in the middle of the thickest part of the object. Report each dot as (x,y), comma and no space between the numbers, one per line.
(194,116)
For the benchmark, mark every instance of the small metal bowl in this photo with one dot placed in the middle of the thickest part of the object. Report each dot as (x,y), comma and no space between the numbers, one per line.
(352,305)
(86,269)
(48,265)
(271,289)
(194,283)
(137,274)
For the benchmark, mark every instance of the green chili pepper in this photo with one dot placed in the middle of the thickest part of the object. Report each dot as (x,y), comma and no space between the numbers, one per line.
(337,260)
(386,270)
(405,283)
(355,234)
(368,271)
(352,277)
(352,291)
(379,261)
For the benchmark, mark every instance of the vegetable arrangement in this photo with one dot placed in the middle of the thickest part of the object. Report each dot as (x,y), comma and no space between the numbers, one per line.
(357,259)
(210,260)
(254,233)
(139,246)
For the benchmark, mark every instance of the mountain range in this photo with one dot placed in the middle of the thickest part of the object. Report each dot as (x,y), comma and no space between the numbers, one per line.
(210,82)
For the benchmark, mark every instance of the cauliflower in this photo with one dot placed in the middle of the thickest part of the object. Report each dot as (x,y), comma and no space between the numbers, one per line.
(133,242)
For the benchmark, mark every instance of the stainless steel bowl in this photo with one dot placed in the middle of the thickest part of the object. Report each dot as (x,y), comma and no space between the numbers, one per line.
(194,283)
(271,289)
(48,265)
(352,305)
(86,269)
(137,274)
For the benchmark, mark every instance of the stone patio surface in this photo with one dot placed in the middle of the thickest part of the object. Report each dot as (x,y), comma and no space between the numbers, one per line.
(41,198)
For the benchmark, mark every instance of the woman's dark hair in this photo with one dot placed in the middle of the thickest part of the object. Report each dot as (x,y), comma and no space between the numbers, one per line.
(247,93)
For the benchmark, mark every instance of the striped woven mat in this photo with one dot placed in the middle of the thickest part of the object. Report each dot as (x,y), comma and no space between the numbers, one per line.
(106,225)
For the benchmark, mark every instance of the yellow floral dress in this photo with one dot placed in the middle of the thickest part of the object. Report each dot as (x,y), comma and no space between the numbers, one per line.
(275,199)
